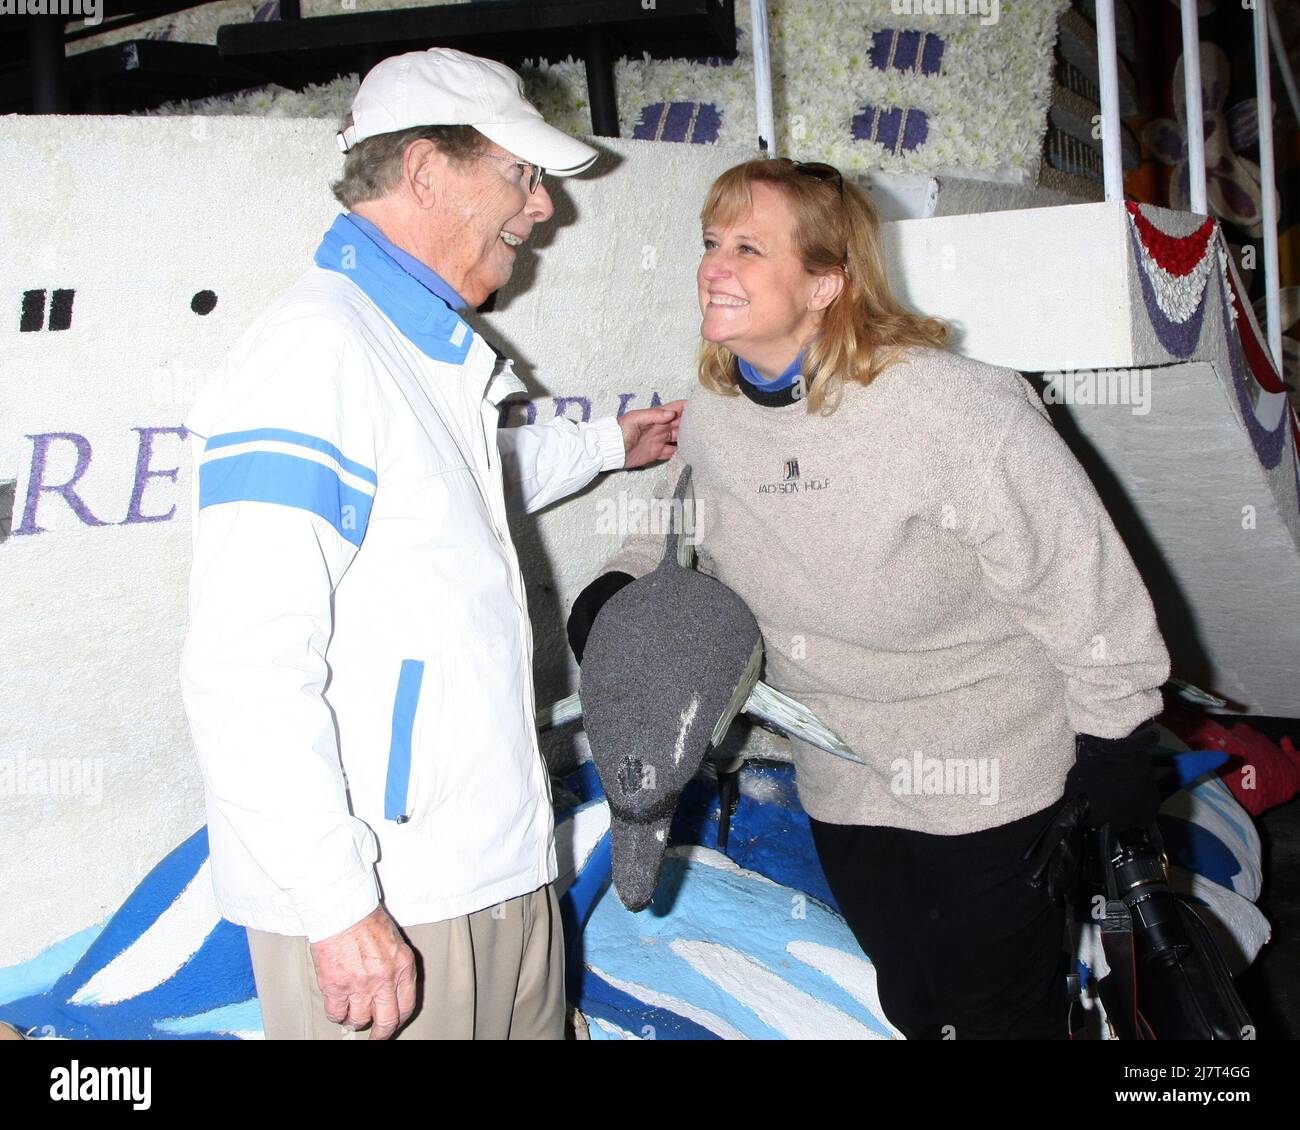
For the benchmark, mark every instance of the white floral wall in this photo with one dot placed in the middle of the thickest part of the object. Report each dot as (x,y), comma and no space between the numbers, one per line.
(891,85)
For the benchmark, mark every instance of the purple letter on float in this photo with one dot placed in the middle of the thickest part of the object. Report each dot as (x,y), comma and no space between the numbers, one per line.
(36,484)
(143,473)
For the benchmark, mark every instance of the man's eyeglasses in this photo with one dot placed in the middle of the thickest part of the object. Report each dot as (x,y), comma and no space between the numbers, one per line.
(818,170)
(533,173)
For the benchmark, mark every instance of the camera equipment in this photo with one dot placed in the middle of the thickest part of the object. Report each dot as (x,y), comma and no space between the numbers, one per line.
(1168,979)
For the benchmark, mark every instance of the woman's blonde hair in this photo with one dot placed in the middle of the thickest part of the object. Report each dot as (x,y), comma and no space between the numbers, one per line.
(865,328)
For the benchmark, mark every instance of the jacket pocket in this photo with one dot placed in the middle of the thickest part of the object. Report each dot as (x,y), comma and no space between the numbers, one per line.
(397,784)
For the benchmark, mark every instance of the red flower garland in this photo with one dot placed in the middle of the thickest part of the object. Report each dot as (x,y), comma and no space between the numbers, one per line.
(1179,255)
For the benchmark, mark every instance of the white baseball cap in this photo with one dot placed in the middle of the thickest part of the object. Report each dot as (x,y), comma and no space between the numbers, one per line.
(443,87)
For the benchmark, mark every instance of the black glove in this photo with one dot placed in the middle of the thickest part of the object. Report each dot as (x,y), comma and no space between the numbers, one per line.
(1115,776)
(1058,851)
(588,605)
(1109,783)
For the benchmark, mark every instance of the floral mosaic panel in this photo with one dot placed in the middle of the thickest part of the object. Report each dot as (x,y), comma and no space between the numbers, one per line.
(854,82)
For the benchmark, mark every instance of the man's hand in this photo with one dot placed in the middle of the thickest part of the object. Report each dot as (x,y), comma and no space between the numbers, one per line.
(650,434)
(367,975)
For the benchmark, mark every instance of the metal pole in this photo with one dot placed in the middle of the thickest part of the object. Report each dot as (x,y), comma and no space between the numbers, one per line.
(45,50)
(763,76)
(1283,63)
(600,83)
(1264,109)
(1192,98)
(1112,154)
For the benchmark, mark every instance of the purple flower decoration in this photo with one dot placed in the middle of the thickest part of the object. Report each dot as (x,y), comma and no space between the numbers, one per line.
(920,52)
(899,130)
(696,122)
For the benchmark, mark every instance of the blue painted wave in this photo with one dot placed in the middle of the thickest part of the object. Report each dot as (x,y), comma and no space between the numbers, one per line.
(745,946)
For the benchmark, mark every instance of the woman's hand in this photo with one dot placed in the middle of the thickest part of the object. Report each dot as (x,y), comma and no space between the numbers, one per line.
(1115,776)
(1057,853)
(1109,783)
(650,434)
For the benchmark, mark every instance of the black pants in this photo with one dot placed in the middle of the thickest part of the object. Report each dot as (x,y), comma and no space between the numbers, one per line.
(963,947)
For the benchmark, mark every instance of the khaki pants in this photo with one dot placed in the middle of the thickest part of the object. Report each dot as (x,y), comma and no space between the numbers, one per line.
(497,974)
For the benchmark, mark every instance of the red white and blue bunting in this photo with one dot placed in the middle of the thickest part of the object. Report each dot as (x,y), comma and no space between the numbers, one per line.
(1174,272)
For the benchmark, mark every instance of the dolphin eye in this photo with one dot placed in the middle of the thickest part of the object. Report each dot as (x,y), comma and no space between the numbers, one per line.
(631,776)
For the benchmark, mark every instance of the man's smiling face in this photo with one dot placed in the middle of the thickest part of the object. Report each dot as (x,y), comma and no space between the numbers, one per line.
(484,212)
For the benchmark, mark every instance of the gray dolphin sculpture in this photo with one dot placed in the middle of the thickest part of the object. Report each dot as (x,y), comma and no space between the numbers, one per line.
(671,660)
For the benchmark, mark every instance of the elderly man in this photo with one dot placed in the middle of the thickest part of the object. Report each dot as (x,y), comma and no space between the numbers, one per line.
(358,667)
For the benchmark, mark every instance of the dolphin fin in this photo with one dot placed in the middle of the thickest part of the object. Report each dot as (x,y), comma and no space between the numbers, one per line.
(766,703)
(744,691)
(558,713)
(679,545)
(796,720)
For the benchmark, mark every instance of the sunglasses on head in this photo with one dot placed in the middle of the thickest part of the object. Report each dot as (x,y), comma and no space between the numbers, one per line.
(819,170)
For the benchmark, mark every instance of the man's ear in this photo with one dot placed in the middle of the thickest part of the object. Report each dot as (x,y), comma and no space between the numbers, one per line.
(828,289)
(423,164)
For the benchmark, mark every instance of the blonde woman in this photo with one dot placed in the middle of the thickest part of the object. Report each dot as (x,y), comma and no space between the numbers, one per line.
(936,578)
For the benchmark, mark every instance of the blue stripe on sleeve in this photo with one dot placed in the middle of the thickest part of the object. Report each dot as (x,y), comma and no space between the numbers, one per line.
(288,480)
(399,750)
(302,439)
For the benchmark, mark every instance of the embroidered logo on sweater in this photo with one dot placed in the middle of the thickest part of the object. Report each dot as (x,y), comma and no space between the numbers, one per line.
(791,481)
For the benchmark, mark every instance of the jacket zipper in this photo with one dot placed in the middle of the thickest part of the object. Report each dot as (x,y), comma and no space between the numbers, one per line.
(398,782)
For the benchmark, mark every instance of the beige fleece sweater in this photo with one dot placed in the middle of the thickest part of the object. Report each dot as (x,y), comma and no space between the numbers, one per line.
(935,577)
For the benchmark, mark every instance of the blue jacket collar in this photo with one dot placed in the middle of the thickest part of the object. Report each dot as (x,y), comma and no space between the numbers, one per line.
(422,272)
(784,381)
(423,316)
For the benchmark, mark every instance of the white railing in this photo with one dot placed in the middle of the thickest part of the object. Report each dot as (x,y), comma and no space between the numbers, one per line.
(1264,115)
(762,46)
(1195,110)
(1283,63)
(1112,156)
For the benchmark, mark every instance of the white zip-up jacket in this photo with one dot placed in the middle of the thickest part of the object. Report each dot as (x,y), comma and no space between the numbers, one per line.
(358,669)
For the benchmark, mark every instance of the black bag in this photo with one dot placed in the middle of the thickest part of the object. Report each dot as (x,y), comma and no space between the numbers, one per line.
(1168,980)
